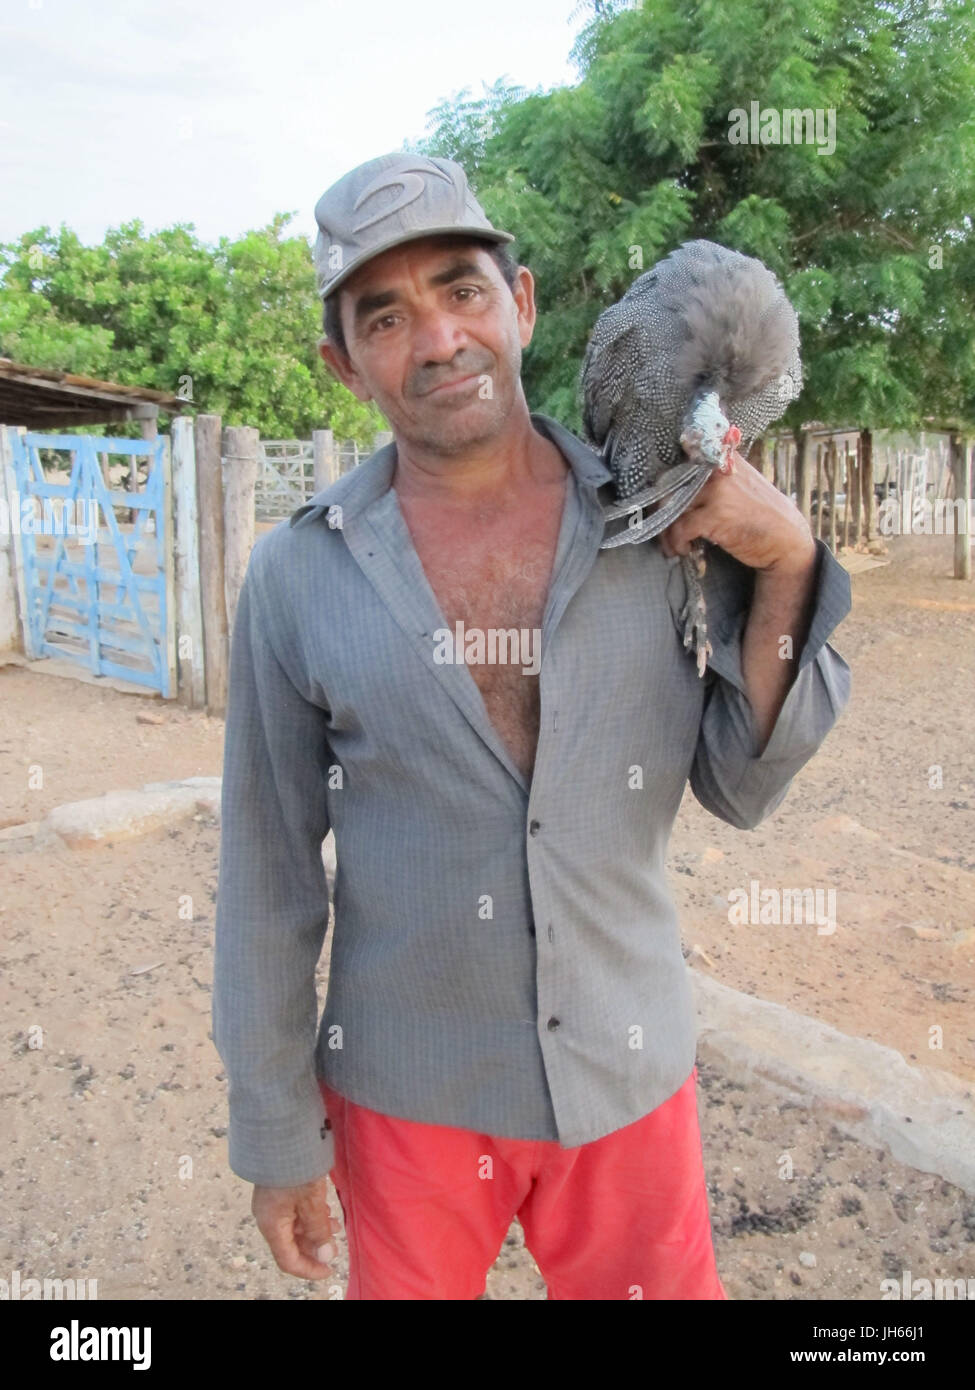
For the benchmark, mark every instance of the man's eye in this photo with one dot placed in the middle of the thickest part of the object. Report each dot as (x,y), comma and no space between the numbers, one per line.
(387,318)
(466,289)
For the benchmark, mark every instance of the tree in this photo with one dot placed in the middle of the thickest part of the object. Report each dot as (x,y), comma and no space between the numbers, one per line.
(235,326)
(600,180)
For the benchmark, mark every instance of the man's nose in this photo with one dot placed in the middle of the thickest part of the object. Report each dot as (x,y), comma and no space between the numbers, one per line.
(436,337)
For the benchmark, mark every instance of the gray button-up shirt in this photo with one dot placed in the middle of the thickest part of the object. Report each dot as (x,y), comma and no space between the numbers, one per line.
(506,954)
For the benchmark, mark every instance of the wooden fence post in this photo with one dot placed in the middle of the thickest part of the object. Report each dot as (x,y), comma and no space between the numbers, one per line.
(240,450)
(326,458)
(149,426)
(819,491)
(866,483)
(803,470)
(962,448)
(190,671)
(832,464)
(167,515)
(10,634)
(209,488)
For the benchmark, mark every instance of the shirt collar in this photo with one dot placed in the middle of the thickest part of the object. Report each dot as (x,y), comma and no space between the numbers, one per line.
(356,490)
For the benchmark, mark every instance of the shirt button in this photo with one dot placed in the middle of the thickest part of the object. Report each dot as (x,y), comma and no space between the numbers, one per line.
(531,928)
(534,827)
(553,1023)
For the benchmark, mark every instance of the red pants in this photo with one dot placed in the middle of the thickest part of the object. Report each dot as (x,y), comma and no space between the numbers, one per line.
(427,1207)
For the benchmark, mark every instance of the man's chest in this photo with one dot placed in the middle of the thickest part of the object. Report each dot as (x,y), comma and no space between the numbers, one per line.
(496,575)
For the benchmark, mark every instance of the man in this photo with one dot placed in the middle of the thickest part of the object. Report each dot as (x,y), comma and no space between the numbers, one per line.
(509,1026)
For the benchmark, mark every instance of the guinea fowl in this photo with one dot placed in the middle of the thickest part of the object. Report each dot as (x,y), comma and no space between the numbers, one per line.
(700,355)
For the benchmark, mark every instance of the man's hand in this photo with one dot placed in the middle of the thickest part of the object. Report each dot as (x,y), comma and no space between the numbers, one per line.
(297,1224)
(749,518)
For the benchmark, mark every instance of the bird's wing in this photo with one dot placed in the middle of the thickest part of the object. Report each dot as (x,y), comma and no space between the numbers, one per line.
(607,376)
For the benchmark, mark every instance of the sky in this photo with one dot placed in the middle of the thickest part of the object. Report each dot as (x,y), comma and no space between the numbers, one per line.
(223,112)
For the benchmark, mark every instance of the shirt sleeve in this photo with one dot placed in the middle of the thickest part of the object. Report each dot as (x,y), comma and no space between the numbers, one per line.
(727,777)
(272,906)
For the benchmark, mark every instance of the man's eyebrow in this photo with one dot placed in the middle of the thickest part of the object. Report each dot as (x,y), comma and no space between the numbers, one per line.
(367,304)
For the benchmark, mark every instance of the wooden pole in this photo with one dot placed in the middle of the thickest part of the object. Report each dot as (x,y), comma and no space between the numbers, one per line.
(963,449)
(190,671)
(150,432)
(240,451)
(10,633)
(803,476)
(169,575)
(847,481)
(209,491)
(326,460)
(832,461)
(866,483)
(819,491)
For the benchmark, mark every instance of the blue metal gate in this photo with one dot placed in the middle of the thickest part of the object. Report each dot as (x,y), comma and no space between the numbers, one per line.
(95,585)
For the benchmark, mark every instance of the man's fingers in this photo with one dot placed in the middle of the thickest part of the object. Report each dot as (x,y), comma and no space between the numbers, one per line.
(297,1224)
(315,1231)
(289,1255)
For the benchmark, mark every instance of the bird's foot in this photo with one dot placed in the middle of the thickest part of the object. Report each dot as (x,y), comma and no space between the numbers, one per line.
(694,613)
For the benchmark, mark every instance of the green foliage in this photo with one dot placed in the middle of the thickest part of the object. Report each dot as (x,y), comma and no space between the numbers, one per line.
(235,325)
(873,240)
(600,180)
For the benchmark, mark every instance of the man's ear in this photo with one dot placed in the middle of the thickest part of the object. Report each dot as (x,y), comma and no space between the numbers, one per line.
(341,366)
(523,292)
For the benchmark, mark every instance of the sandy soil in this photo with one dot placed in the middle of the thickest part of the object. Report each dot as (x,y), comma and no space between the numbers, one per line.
(113,1158)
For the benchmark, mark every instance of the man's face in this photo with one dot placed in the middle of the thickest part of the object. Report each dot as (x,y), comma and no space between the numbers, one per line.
(424,315)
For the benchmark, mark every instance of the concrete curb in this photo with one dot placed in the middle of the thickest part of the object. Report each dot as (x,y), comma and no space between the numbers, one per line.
(925,1117)
(123,815)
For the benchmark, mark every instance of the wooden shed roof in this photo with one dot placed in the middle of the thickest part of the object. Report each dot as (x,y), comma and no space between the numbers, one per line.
(41,399)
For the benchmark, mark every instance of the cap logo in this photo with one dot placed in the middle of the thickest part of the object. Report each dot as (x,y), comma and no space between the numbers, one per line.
(409,181)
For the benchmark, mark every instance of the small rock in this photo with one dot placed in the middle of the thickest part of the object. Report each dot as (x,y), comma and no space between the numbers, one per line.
(919,932)
(150,719)
(712,855)
(807,1259)
(238,1262)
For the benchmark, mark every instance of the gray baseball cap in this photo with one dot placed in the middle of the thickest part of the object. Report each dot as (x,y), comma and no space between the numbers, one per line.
(387,201)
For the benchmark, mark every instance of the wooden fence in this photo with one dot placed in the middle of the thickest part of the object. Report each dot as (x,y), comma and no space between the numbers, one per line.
(224,479)
(291,471)
(840,479)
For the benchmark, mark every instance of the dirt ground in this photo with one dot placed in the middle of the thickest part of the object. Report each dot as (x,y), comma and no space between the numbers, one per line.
(113,1157)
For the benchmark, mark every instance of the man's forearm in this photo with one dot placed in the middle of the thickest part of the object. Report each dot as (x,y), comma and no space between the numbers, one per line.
(781,608)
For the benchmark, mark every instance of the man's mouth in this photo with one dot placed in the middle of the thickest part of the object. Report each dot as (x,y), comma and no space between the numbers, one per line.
(453,385)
